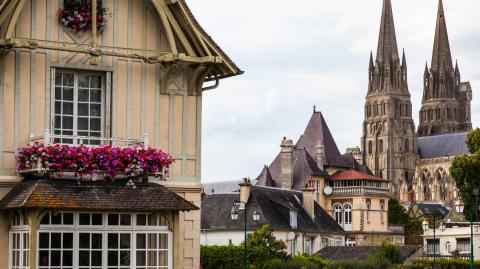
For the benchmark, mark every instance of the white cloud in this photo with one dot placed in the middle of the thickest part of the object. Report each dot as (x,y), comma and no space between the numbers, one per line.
(312,52)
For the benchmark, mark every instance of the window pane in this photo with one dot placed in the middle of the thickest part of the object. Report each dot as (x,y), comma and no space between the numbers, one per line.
(163,241)
(125,241)
(141,219)
(67,94)
(141,241)
(58,79)
(58,122)
(163,258)
(43,258)
(96,258)
(58,107)
(56,218)
(96,241)
(67,258)
(112,258)
(95,124)
(95,82)
(83,109)
(112,219)
(125,258)
(113,241)
(45,219)
(58,93)
(84,219)
(82,124)
(152,258)
(44,240)
(96,96)
(67,108)
(56,240)
(68,218)
(83,95)
(141,259)
(83,258)
(67,123)
(152,220)
(67,79)
(67,240)
(83,80)
(84,241)
(97,219)
(152,241)
(95,110)
(55,258)
(125,219)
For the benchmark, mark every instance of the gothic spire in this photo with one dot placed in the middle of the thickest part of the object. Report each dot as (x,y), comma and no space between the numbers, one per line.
(387,50)
(404,59)
(371,65)
(426,72)
(442,57)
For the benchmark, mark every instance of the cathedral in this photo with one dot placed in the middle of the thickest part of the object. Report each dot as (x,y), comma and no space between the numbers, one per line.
(416,162)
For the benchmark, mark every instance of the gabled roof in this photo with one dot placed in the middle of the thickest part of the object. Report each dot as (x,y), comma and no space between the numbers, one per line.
(99,195)
(274,207)
(441,57)
(442,145)
(387,50)
(431,209)
(360,252)
(353,175)
(265,178)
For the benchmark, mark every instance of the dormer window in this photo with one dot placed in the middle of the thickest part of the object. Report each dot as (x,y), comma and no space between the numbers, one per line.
(79,107)
(293,218)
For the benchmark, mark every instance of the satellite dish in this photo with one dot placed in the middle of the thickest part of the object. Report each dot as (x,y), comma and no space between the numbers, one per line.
(327,190)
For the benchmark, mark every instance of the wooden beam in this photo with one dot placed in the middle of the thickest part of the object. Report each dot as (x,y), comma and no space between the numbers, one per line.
(166,25)
(178,30)
(6,10)
(14,19)
(195,30)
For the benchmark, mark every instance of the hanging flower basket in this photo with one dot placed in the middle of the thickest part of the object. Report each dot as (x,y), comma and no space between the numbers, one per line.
(90,162)
(77,15)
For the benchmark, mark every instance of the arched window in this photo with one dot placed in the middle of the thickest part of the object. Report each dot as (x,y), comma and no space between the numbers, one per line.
(430,114)
(382,209)
(407,145)
(370,147)
(347,210)
(375,109)
(337,214)
(380,146)
(369,207)
(384,109)
(449,115)
(367,109)
(438,116)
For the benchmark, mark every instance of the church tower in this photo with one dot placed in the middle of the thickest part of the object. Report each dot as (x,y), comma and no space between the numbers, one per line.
(446,100)
(388,140)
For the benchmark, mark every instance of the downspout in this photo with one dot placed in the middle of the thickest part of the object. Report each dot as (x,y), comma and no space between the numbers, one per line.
(217,83)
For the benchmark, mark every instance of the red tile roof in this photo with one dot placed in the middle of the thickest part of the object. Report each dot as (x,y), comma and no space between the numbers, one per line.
(353,175)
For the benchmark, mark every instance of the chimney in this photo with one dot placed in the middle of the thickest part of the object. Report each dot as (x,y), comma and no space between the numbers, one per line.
(244,190)
(309,199)
(286,157)
(321,159)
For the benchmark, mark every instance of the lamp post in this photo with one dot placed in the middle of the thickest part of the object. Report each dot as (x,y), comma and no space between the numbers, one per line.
(426,225)
(234,215)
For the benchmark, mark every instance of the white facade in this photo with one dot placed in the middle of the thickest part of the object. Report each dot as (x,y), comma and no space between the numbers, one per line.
(297,241)
(451,238)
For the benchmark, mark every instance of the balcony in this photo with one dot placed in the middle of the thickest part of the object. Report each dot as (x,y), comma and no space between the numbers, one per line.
(105,158)
(343,191)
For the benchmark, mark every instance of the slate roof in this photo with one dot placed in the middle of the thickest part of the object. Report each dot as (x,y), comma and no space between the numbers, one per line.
(430,209)
(359,252)
(353,175)
(442,145)
(304,157)
(274,207)
(99,195)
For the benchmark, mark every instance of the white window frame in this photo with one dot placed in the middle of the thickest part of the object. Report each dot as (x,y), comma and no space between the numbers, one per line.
(106,83)
(105,229)
(22,229)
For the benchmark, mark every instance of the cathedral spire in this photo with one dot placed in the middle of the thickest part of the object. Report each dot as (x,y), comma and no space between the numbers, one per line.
(404,59)
(371,65)
(441,57)
(387,50)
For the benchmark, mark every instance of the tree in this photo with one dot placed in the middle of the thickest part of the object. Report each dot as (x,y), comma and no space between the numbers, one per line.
(263,246)
(465,170)
(388,252)
(412,227)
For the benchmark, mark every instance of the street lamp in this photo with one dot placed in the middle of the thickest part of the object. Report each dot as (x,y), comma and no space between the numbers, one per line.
(425,228)
(234,215)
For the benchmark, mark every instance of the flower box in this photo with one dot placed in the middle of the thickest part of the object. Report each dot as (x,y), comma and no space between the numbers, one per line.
(92,162)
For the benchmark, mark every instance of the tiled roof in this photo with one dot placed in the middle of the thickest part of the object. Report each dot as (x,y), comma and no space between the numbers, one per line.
(353,175)
(223,187)
(265,178)
(273,205)
(360,252)
(431,209)
(99,195)
(442,145)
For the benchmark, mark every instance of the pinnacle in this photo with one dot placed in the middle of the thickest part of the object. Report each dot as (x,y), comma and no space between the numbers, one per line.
(387,50)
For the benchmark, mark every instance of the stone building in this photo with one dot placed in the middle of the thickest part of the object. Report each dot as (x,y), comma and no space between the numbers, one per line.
(417,163)
(136,78)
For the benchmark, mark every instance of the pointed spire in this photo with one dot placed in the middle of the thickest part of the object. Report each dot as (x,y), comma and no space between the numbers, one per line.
(442,57)
(371,66)
(426,69)
(387,49)
(404,59)
(457,70)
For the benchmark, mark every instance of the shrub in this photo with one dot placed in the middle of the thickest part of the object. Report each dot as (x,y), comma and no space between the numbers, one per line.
(221,257)
(388,252)
(359,264)
(447,264)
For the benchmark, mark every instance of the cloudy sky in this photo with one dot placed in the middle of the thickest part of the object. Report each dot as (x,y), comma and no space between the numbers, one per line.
(301,53)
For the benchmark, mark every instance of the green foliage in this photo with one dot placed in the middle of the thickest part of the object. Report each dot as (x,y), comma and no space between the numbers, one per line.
(465,172)
(446,264)
(298,262)
(356,264)
(473,140)
(263,246)
(387,252)
(221,257)
(413,227)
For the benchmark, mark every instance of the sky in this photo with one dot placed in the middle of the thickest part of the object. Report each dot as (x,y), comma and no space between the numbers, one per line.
(297,54)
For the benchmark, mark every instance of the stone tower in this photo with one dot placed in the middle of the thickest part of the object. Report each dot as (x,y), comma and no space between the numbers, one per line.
(388,140)
(446,100)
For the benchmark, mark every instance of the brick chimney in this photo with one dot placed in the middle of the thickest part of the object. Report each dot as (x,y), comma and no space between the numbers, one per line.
(320,151)
(286,157)
(244,190)
(309,199)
